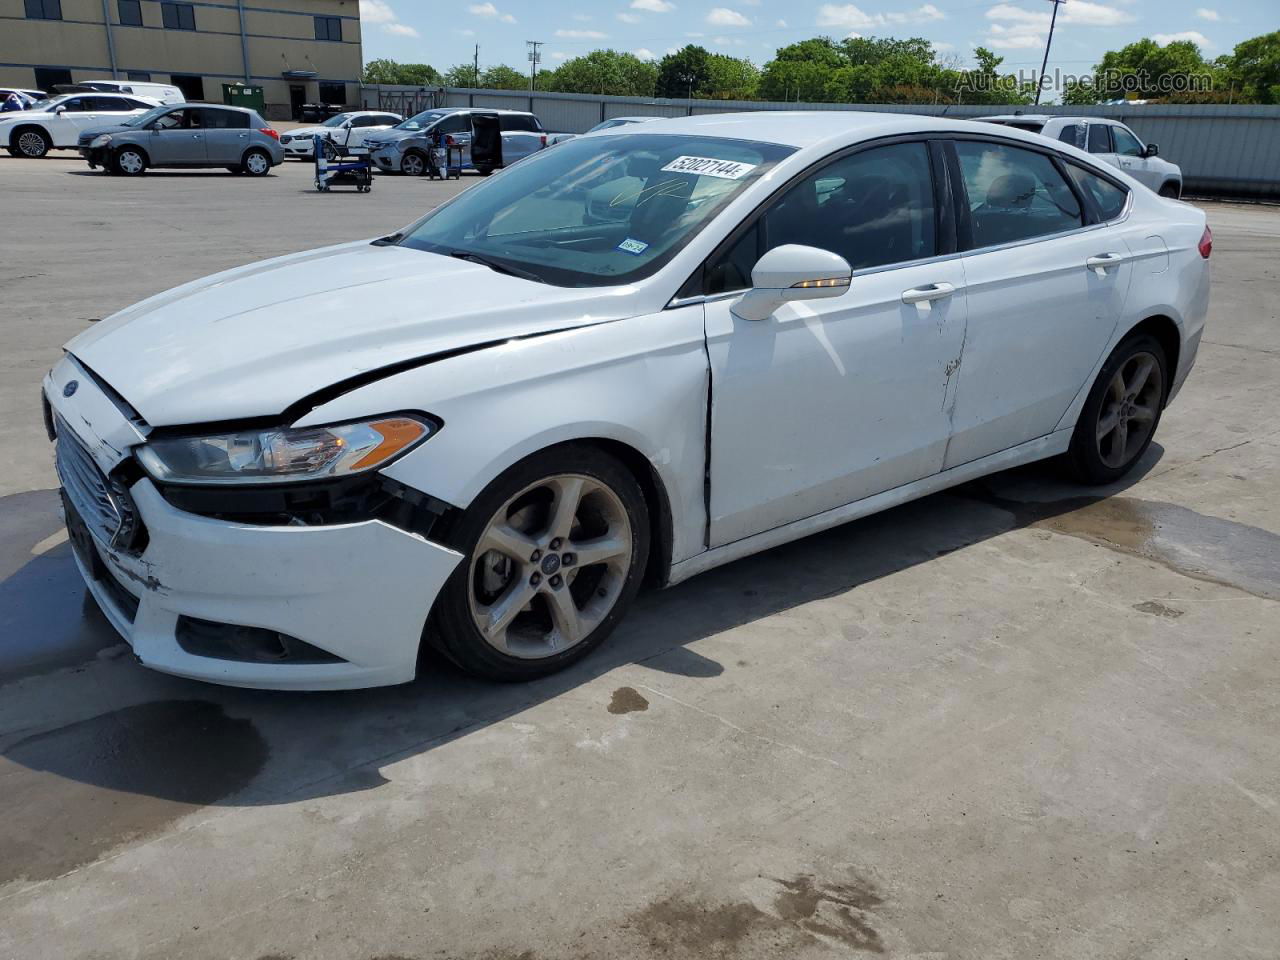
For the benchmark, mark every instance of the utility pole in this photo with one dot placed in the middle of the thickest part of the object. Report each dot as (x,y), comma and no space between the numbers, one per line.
(1048,40)
(475,68)
(535,57)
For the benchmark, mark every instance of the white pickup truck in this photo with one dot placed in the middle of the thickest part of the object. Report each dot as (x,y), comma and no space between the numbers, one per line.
(406,146)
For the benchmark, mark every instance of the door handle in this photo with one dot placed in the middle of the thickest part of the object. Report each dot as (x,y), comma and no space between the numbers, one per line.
(927,293)
(1099,263)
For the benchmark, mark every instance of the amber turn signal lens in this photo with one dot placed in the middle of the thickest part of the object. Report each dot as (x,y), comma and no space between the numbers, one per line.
(397,433)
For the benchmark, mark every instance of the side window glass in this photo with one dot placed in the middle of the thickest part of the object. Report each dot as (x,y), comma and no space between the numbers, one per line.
(873,207)
(1099,138)
(75,105)
(1127,144)
(732,269)
(1072,133)
(454,123)
(1108,198)
(172,120)
(1014,194)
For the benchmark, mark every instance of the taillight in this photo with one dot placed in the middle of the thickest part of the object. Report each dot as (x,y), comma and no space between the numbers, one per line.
(270,132)
(543,139)
(1206,243)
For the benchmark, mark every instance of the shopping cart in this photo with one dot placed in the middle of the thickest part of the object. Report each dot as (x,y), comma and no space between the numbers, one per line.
(337,164)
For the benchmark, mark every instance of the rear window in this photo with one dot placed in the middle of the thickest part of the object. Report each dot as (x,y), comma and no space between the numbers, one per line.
(224,119)
(1073,133)
(1031,126)
(519,121)
(1099,138)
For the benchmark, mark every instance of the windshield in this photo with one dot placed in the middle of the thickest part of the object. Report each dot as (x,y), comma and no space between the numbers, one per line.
(336,121)
(53,102)
(599,211)
(144,118)
(420,120)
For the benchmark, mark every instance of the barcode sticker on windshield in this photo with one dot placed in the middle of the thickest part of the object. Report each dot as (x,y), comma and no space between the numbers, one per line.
(709,167)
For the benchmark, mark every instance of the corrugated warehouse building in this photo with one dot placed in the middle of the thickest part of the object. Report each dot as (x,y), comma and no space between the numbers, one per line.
(298,51)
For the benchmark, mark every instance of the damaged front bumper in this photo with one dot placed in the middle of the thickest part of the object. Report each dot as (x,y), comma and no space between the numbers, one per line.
(296,607)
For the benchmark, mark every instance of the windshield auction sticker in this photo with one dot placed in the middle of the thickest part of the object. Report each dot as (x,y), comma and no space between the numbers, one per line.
(709,167)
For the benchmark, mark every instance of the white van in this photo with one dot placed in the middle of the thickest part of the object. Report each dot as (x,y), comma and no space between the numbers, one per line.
(163,92)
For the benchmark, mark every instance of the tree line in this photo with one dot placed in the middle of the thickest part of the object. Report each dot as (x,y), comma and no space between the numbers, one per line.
(878,70)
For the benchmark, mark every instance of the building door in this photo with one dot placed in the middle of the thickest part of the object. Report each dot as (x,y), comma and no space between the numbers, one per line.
(297,97)
(47,77)
(192,87)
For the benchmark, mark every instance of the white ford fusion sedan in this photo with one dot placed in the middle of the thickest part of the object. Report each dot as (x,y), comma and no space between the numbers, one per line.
(484,431)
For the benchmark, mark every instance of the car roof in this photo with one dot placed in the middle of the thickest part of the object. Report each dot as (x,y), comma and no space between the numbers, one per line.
(807,128)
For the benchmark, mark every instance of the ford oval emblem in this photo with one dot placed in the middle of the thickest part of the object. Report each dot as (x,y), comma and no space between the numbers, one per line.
(71,387)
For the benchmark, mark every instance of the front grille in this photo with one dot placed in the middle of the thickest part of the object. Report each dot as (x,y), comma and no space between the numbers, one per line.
(103,504)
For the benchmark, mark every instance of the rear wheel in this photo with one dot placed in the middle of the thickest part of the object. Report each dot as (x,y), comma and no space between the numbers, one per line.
(257,163)
(32,142)
(129,162)
(555,550)
(1121,413)
(1171,190)
(413,164)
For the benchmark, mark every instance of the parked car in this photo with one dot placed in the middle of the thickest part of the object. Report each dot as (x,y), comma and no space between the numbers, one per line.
(554,138)
(806,318)
(347,129)
(57,123)
(29,98)
(190,135)
(1111,141)
(160,92)
(406,146)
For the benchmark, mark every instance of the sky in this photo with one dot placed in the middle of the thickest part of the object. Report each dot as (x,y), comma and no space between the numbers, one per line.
(444,34)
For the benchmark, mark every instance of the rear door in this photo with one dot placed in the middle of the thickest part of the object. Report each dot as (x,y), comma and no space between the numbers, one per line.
(522,135)
(226,135)
(71,117)
(115,109)
(1045,287)
(457,126)
(1098,142)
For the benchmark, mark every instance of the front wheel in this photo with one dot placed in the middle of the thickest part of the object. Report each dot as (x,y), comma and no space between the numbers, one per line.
(33,143)
(257,163)
(130,162)
(1121,413)
(554,552)
(413,164)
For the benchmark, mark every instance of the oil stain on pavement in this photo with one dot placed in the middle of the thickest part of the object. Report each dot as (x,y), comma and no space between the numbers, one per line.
(627,700)
(78,791)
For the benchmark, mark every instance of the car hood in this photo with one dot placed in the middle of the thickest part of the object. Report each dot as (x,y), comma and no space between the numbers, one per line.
(92,132)
(301,132)
(253,341)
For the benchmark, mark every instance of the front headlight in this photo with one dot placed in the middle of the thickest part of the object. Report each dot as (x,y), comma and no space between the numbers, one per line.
(101,140)
(284,455)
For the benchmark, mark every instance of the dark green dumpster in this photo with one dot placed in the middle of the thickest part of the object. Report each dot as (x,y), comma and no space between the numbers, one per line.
(242,95)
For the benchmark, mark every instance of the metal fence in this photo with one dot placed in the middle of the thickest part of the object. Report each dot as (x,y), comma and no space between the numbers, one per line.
(1227,150)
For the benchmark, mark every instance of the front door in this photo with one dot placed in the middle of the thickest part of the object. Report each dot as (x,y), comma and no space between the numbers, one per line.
(297,97)
(1130,156)
(177,138)
(830,401)
(1044,292)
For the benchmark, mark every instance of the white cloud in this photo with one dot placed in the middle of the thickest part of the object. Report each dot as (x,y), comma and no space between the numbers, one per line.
(376,11)
(850,17)
(943,47)
(653,6)
(781,24)
(629,17)
(1204,13)
(581,35)
(399,29)
(559,55)
(490,12)
(644,54)
(853,35)
(1195,36)
(1080,12)
(724,17)
(1017,37)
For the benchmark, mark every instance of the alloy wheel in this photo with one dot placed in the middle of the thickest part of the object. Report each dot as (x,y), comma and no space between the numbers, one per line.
(550,566)
(256,164)
(412,165)
(32,144)
(1127,415)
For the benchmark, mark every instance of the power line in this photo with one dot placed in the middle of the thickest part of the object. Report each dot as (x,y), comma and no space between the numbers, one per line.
(1047,42)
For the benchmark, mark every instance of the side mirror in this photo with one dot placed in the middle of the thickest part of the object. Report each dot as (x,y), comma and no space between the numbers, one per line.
(59,110)
(1153,150)
(792,272)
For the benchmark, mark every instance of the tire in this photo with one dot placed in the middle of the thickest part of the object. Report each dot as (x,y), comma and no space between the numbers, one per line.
(1122,411)
(257,163)
(558,607)
(413,164)
(1171,190)
(129,162)
(31,142)
(13,151)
